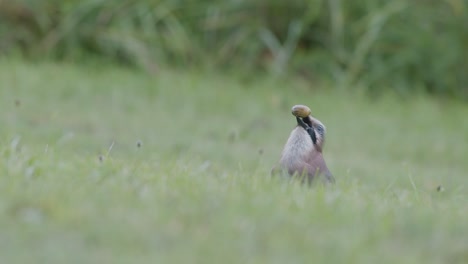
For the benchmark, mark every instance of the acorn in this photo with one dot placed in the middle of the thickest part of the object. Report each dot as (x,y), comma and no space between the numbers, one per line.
(300,111)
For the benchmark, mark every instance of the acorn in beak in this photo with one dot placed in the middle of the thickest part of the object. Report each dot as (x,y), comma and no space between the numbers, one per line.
(302,114)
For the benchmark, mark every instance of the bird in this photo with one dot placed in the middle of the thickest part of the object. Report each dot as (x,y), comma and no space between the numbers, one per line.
(302,154)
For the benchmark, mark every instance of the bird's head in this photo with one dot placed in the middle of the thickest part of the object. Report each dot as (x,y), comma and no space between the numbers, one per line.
(312,125)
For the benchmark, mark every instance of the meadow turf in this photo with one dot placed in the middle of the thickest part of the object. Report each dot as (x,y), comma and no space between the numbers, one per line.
(109,165)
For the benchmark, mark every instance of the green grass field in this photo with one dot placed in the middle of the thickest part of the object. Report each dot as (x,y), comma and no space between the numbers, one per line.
(108,165)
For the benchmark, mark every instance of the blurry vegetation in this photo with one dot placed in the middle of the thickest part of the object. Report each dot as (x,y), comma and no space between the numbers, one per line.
(404,46)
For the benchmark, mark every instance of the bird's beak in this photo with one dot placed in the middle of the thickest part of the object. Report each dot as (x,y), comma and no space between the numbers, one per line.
(304,121)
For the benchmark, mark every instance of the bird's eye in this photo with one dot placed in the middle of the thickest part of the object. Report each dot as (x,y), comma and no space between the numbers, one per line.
(320,129)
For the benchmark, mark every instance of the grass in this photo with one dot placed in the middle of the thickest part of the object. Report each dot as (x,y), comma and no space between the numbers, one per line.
(76,187)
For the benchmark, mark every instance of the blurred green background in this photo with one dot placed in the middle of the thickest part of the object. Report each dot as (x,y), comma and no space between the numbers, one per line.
(398,46)
(145,131)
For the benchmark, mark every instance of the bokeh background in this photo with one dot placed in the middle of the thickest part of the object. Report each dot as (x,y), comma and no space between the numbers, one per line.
(144,131)
(399,46)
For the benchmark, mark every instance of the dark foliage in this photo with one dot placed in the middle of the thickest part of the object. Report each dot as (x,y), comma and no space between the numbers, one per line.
(404,46)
